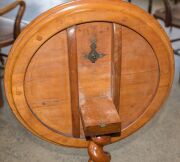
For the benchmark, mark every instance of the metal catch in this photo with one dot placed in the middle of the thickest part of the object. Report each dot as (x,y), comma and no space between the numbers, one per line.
(93,56)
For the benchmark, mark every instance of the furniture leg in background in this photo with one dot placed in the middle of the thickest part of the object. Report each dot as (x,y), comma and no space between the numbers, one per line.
(9,31)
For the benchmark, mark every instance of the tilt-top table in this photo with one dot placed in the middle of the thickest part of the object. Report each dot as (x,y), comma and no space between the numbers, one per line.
(89,73)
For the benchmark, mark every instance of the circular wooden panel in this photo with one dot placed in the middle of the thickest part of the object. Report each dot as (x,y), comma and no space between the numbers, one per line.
(39,74)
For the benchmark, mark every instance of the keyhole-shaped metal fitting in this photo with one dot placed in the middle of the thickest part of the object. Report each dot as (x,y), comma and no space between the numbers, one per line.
(93,56)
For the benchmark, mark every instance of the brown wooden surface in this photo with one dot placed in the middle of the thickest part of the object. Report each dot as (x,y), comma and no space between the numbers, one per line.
(9,30)
(48,102)
(139,76)
(100,117)
(73,75)
(116,64)
(94,78)
(37,72)
(95,149)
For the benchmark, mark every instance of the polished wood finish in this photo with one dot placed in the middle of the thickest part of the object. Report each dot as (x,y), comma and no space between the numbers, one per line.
(116,64)
(100,117)
(9,31)
(94,78)
(73,75)
(37,82)
(95,149)
(48,102)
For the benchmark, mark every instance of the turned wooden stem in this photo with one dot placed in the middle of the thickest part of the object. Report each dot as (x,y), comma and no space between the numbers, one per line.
(95,149)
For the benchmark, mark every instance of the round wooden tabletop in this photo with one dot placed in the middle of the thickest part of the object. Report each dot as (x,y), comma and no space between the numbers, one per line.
(52,68)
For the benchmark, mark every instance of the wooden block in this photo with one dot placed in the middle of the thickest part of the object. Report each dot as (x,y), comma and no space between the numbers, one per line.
(100,117)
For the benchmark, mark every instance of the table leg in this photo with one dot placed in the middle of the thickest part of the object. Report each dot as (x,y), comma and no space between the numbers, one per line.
(95,149)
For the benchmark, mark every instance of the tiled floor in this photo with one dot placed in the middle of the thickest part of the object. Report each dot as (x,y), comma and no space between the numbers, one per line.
(158,141)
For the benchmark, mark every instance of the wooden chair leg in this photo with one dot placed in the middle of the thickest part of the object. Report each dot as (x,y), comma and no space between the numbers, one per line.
(1,68)
(1,58)
(95,149)
(1,96)
(177,52)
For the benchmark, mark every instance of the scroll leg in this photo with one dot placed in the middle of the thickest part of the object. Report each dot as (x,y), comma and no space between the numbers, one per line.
(95,149)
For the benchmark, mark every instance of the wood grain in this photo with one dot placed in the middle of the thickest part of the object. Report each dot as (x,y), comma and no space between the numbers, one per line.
(73,75)
(146,71)
(139,76)
(94,78)
(100,117)
(43,80)
(96,151)
(116,64)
